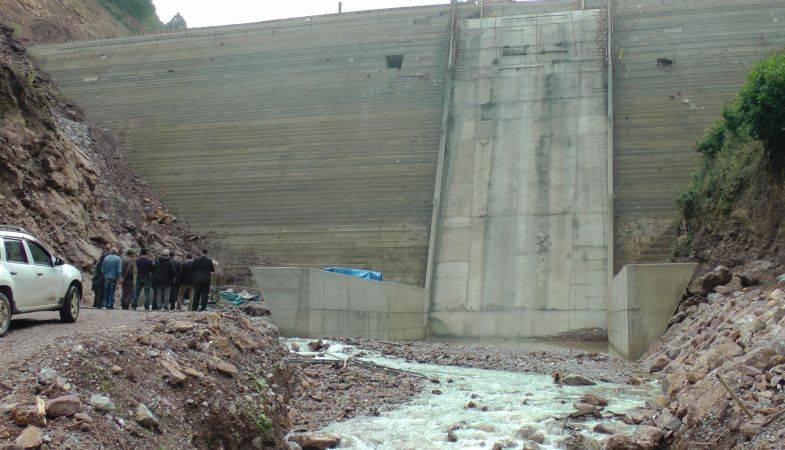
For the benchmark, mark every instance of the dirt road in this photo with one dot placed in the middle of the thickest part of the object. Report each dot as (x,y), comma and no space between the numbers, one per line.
(30,332)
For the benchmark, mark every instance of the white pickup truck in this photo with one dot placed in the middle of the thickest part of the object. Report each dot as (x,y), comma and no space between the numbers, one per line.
(32,279)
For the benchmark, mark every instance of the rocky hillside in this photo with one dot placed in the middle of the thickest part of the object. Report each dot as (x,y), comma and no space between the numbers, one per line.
(732,334)
(63,179)
(37,21)
(722,360)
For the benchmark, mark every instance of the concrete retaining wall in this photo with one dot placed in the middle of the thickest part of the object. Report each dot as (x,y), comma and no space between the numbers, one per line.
(315,303)
(643,300)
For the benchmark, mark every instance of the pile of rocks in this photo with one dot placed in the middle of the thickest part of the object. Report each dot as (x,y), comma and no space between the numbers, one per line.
(730,332)
(190,381)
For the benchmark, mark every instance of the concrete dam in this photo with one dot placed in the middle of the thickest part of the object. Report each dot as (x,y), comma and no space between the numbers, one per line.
(505,158)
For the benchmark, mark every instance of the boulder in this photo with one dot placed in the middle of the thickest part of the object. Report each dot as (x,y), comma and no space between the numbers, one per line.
(585,409)
(27,415)
(759,358)
(530,433)
(705,284)
(647,437)
(65,406)
(318,345)
(577,380)
(667,421)
(777,295)
(733,286)
(620,442)
(593,399)
(658,364)
(178,326)
(609,428)
(223,367)
(315,441)
(756,272)
(751,429)
(101,403)
(47,376)
(31,437)
(144,417)
(718,354)
(174,372)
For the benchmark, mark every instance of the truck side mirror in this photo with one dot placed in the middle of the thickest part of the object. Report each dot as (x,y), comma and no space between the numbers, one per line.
(59,261)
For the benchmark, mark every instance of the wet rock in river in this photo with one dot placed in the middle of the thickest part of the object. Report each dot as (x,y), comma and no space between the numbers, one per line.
(318,345)
(315,441)
(576,380)
(530,433)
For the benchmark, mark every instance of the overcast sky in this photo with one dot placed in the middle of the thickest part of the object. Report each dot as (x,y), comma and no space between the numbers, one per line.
(202,13)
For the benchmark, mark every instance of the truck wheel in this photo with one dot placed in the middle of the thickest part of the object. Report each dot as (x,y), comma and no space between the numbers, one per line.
(69,312)
(5,314)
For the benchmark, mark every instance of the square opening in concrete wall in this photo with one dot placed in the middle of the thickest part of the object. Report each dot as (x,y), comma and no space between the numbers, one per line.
(394,61)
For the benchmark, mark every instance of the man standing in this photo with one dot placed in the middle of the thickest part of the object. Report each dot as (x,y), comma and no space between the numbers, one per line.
(144,270)
(201,269)
(98,282)
(128,278)
(175,282)
(186,282)
(111,269)
(163,277)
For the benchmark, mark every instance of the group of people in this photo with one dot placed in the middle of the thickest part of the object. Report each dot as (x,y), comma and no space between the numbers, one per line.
(166,281)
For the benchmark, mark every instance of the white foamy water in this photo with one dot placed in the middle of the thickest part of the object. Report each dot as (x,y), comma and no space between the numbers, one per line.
(513,399)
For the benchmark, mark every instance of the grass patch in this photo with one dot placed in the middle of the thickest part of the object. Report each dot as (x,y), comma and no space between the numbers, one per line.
(746,145)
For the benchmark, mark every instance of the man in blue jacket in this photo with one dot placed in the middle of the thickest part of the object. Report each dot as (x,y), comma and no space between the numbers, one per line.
(111,269)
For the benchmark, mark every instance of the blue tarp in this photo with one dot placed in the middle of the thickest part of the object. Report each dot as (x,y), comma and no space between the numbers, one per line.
(238,299)
(360,273)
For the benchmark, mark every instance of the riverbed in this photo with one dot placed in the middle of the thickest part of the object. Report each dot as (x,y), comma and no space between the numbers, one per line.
(481,407)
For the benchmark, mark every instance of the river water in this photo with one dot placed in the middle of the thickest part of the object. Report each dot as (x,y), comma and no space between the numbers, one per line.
(513,399)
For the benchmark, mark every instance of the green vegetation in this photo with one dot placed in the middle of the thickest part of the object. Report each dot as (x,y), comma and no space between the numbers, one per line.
(137,15)
(262,423)
(747,144)
(177,23)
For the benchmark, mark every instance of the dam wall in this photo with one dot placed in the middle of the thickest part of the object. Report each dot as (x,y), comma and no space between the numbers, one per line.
(325,140)
(293,142)
(523,236)
(705,48)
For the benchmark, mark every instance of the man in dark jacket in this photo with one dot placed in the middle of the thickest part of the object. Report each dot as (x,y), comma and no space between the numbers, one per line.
(144,269)
(163,277)
(201,270)
(128,278)
(99,286)
(176,282)
(186,282)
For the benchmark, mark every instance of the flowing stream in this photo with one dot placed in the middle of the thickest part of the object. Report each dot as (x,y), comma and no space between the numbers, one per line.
(513,399)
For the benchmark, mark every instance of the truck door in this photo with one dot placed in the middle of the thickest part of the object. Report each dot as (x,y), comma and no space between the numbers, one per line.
(18,265)
(48,277)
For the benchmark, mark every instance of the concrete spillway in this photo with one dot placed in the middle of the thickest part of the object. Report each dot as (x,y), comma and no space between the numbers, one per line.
(317,141)
(523,237)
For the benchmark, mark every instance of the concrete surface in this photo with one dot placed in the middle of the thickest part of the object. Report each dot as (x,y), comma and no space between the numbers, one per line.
(315,303)
(644,298)
(661,110)
(521,244)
